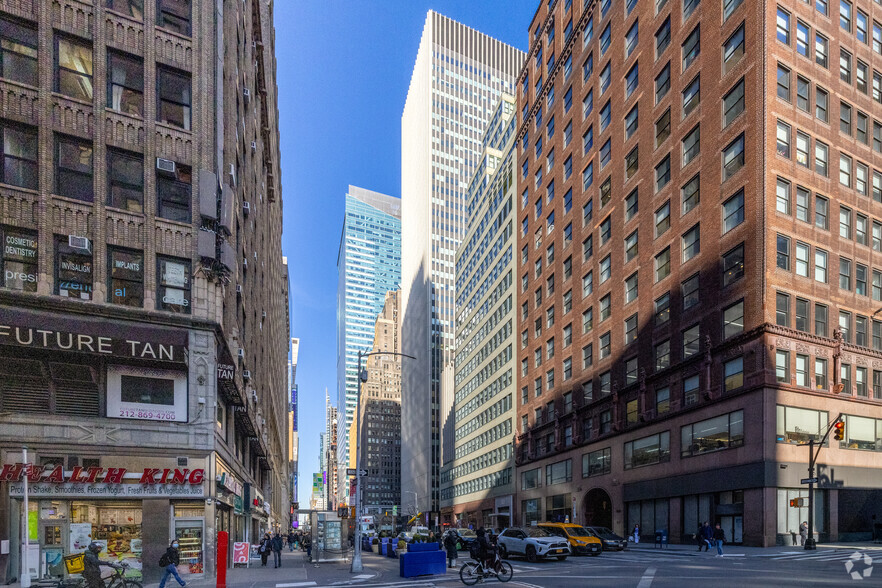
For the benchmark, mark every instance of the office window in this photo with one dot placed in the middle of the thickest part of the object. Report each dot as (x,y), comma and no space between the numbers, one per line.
(733,211)
(588,140)
(587,176)
(733,157)
(782,366)
(720,432)
(733,319)
(73,74)
(588,320)
(820,265)
(803,87)
(783,139)
(630,329)
(663,83)
(691,96)
(663,37)
(783,249)
(803,204)
(802,259)
(861,173)
(74,168)
(782,196)
(174,15)
(860,331)
(18,52)
(587,212)
(605,116)
(125,84)
(173,98)
(663,219)
(845,15)
(19,165)
(733,103)
(860,229)
(631,38)
(647,451)
(845,378)
(663,355)
(802,38)
(845,170)
(605,38)
(691,243)
(605,153)
(125,277)
(821,50)
(691,47)
(631,247)
(605,269)
(18,263)
(783,83)
(844,118)
(689,292)
(783,26)
(125,174)
(663,173)
(587,104)
(821,153)
(733,50)
(802,315)
(549,348)
(860,385)
(605,347)
(631,122)
(631,205)
(803,147)
(588,67)
(631,288)
(844,273)
(820,320)
(663,128)
(782,309)
(73,270)
(662,309)
(733,373)
(861,74)
(733,265)
(663,264)
(173,194)
(845,66)
(690,194)
(568,134)
(844,222)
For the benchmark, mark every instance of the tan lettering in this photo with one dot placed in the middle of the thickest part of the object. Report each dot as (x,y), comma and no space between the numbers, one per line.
(104,345)
(85,341)
(18,336)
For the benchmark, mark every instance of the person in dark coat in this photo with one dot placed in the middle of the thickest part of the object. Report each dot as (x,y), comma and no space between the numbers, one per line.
(307,545)
(719,539)
(708,535)
(171,559)
(266,547)
(290,540)
(277,550)
(450,547)
(91,565)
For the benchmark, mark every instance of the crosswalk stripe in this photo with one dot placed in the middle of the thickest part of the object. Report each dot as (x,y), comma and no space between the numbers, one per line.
(295,585)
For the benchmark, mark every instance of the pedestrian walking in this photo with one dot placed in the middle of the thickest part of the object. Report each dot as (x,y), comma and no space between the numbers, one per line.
(636,534)
(719,539)
(266,547)
(708,536)
(803,533)
(699,537)
(307,545)
(170,561)
(277,550)
(450,547)
(290,541)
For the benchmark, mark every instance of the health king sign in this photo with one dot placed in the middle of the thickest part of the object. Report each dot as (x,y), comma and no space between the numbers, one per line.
(54,481)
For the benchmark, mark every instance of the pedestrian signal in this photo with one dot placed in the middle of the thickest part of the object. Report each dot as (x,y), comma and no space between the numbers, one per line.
(839,431)
(797,502)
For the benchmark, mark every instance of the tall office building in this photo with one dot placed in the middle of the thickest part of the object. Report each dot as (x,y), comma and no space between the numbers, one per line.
(457,79)
(294,441)
(329,466)
(368,266)
(476,484)
(143,313)
(734,181)
(380,415)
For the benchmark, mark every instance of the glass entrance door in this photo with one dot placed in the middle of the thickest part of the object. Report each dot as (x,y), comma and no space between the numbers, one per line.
(189,533)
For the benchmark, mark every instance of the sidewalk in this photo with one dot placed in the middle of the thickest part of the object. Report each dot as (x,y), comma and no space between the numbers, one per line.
(740,550)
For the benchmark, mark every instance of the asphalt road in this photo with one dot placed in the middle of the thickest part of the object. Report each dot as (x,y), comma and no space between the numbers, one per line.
(645,569)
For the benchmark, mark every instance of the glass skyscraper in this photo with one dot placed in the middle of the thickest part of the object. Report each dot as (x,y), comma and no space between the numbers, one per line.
(368,266)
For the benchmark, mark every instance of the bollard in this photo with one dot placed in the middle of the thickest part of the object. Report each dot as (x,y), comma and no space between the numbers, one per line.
(222,542)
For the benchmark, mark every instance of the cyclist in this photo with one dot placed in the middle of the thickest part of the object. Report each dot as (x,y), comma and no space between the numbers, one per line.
(91,565)
(486,550)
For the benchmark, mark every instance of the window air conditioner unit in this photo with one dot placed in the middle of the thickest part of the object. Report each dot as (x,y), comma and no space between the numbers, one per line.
(82,243)
(247,93)
(241,353)
(183,462)
(263,315)
(165,166)
(254,145)
(238,288)
(246,374)
(254,395)
(246,208)
(245,262)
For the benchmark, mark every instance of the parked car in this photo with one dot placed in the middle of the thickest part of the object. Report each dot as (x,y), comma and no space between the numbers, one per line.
(406,536)
(611,541)
(464,538)
(533,543)
(581,540)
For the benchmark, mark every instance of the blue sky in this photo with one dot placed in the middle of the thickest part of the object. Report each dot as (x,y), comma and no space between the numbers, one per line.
(343,73)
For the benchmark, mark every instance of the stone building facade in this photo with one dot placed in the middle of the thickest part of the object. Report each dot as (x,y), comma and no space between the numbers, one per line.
(143,299)
(699,265)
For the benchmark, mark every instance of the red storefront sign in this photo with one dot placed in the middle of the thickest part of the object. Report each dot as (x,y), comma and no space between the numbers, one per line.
(94,475)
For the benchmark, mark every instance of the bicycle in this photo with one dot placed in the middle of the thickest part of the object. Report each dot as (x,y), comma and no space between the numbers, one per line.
(119,580)
(473,572)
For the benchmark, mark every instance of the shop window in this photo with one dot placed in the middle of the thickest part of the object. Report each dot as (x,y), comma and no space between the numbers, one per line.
(174,15)
(125,84)
(174,281)
(558,507)
(18,259)
(73,271)
(19,166)
(18,52)
(126,180)
(174,98)
(73,68)
(862,433)
(126,277)
(173,191)
(74,168)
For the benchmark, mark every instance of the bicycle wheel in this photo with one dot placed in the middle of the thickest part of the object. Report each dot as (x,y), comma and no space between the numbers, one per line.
(468,573)
(131,584)
(505,572)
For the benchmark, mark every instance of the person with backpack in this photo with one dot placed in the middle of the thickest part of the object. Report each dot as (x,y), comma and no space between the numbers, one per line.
(92,565)
(277,550)
(450,548)
(170,561)
(266,547)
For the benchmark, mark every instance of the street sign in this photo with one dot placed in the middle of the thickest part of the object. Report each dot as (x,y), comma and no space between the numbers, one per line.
(809,481)
(352,472)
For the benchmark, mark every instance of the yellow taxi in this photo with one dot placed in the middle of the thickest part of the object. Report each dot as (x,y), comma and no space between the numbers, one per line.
(581,540)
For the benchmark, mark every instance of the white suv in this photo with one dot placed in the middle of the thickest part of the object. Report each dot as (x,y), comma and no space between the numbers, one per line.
(533,543)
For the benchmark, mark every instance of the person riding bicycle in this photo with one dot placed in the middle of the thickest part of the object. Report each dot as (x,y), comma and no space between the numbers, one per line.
(91,565)
(486,550)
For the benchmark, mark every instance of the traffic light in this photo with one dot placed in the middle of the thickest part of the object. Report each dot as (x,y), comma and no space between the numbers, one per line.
(797,502)
(839,430)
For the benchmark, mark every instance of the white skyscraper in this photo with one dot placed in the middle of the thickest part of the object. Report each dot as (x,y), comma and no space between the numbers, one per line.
(457,80)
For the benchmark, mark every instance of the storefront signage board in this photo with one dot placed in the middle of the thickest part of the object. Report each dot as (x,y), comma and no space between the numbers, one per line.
(69,490)
(240,553)
(103,482)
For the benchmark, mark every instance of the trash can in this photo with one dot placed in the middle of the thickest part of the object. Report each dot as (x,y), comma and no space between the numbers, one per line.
(661,538)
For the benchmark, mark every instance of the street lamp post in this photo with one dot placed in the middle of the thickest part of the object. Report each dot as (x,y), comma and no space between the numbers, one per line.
(362,377)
